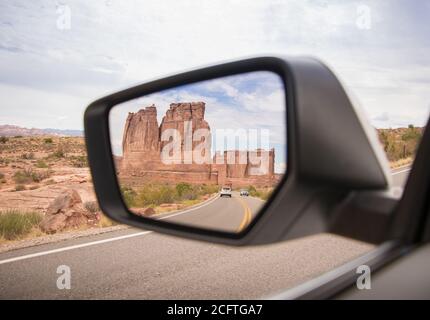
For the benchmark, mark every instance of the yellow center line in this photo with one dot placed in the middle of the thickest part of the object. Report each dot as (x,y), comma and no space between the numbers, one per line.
(246,215)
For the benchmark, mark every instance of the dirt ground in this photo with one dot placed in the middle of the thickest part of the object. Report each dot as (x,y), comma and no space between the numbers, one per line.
(35,170)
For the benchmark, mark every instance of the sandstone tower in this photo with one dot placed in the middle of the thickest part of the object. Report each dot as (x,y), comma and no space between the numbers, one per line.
(142,145)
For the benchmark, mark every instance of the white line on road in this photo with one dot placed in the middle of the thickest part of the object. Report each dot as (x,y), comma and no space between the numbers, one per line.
(83,245)
(137,234)
(43,253)
(398,172)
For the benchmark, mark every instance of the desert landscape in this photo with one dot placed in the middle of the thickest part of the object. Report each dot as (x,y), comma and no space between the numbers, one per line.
(45,177)
(46,187)
(142,152)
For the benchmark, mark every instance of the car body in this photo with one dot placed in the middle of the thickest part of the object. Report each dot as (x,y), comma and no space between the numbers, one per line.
(347,192)
(244,193)
(225,192)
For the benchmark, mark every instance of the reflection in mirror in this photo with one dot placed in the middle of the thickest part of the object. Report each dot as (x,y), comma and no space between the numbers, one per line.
(207,154)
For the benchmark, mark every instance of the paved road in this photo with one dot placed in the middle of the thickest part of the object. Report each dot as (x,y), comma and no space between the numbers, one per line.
(136,264)
(224,214)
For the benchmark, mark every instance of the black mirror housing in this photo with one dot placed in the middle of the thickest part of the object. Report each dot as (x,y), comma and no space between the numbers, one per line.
(332,151)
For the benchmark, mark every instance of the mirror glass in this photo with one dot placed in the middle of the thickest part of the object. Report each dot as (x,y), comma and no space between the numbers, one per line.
(207,154)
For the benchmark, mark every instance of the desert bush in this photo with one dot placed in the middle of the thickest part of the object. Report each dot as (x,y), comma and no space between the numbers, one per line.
(41,164)
(263,194)
(15,224)
(29,175)
(59,153)
(152,195)
(19,187)
(40,175)
(411,133)
(91,206)
(27,156)
(4,139)
(129,196)
(106,222)
(22,176)
(4,161)
(79,161)
(185,191)
(400,143)
(209,189)
(48,140)
(252,190)
(182,188)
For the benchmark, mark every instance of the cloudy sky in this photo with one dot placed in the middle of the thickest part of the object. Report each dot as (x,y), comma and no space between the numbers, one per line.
(244,112)
(58,56)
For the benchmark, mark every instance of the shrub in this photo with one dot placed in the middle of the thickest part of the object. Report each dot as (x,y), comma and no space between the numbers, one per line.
(411,134)
(29,175)
(41,164)
(210,189)
(59,153)
(251,189)
(92,206)
(4,161)
(48,140)
(129,196)
(19,187)
(15,224)
(4,139)
(79,161)
(106,222)
(22,176)
(27,156)
(263,194)
(38,176)
(153,195)
(184,190)
(400,143)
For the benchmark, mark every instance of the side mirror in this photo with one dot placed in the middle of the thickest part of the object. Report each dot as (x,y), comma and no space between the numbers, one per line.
(248,152)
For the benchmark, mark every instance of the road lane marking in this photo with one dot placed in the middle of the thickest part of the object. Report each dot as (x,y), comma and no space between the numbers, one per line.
(402,171)
(191,209)
(246,215)
(93,243)
(77,246)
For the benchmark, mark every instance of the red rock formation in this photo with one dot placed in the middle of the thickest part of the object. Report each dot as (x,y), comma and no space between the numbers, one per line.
(243,168)
(141,132)
(186,118)
(143,143)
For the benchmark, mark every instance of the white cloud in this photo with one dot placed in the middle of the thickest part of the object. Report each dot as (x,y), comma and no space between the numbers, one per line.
(114,44)
(236,113)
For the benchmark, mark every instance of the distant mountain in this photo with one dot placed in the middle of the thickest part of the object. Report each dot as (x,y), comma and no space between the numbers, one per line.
(65,132)
(8,130)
